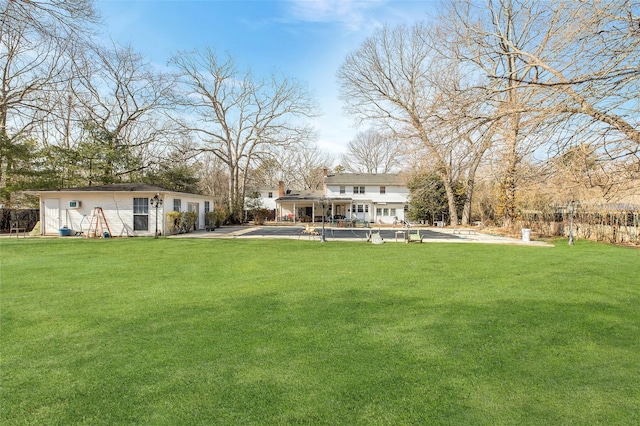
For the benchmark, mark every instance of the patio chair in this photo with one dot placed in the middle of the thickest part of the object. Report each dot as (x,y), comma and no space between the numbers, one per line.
(15,227)
(414,237)
(310,231)
(376,238)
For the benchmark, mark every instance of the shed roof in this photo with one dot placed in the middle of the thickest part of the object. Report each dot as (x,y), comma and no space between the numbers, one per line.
(114,187)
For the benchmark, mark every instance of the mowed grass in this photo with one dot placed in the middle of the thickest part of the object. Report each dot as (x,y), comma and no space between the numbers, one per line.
(279,332)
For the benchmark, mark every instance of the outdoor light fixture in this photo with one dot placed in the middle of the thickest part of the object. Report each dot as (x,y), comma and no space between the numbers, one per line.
(156,202)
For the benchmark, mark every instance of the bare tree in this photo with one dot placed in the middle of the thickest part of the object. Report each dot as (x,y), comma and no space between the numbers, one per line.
(121,94)
(307,167)
(373,152)
(299,166)
(512,106)
(587,68)
(397,79)
(557,79)
(37,39)
(239,118)
(213,178)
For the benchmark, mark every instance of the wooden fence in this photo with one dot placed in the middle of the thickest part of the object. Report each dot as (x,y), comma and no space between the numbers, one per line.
(611,223)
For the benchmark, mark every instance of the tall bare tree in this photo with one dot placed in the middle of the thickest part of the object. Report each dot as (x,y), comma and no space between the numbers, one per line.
(564,72)
(37,40)
(398,79)
(121,94)
(299,166)
(239,118)
(373,152)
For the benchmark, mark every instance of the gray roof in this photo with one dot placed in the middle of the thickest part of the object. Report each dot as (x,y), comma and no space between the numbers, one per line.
(115,187)
(127,187)
(396,179)
(301,195)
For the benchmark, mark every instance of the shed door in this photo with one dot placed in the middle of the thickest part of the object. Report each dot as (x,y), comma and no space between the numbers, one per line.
(195,207)
(51,216)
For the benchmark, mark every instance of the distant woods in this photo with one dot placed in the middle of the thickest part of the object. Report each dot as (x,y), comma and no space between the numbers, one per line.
(489,108)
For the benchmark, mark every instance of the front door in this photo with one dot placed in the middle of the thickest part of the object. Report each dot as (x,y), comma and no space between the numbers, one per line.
(51,216)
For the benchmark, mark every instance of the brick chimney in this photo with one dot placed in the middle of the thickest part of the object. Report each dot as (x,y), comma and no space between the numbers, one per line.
(280,189)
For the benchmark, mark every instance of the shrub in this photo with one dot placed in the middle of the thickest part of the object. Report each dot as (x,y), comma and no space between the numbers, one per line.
(173,219)
(260,215)
(210,220)
(188,221)
(181,222)
(220,216)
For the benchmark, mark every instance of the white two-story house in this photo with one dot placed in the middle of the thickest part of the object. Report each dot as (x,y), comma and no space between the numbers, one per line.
(374,198)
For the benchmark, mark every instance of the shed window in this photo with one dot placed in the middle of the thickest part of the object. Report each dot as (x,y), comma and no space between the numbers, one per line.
(140,214)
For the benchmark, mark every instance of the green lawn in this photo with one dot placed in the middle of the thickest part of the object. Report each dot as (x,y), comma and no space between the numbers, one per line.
(186,331)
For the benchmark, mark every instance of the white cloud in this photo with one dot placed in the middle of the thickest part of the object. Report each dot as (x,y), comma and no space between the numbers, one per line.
(353,14)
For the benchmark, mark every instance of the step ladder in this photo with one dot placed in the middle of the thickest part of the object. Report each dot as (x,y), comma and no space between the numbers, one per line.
(98,224)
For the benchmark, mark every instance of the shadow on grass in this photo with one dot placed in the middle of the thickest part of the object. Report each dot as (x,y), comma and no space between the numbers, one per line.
(351,357)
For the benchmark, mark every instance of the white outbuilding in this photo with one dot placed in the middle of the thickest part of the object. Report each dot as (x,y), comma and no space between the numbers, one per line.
(126,209)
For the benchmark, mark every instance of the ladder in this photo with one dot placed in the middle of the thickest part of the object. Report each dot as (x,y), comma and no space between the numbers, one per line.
(97,224)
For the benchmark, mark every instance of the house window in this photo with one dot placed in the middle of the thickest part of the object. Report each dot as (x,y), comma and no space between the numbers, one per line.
(383,189)
(140,214)
(392,212)
(366,208)
(360,208)
(358,189)
(342,190)
(270,195)
(207,208)
(378,211)
(385,212)
(177,204)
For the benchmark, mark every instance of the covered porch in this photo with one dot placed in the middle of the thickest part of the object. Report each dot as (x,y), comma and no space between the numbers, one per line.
(310,208)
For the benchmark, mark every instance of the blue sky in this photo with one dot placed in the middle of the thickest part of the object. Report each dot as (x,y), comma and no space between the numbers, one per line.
(304,39)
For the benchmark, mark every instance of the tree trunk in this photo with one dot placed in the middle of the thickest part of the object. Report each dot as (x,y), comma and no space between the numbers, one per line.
(451,199)
(468,195)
